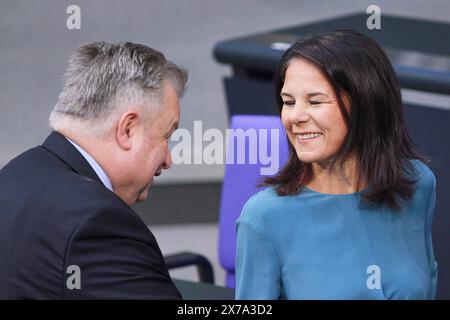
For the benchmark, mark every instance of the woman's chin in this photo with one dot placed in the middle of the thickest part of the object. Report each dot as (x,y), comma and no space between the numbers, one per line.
(307,157)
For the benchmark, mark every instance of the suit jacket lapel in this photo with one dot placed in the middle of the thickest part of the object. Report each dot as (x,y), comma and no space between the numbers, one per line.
(61,147)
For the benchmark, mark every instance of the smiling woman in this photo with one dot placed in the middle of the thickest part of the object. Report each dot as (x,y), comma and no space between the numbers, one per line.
(310,114)
(349,216)
(341,86)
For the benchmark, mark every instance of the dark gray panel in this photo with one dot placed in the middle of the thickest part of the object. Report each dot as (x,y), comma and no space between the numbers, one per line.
(181,203)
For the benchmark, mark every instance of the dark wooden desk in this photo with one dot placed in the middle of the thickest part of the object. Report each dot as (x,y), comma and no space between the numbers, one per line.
(418,49)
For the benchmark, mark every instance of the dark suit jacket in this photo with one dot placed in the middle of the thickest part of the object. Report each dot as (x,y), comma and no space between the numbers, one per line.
(56,213)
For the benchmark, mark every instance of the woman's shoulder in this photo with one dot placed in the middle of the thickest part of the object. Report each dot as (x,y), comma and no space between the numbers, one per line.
(261,206)
(422,174)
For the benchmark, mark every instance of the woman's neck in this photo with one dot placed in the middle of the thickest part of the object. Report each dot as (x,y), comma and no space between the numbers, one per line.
(334,180)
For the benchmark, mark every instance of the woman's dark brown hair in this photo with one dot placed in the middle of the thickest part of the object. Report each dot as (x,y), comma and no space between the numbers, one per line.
(357,68)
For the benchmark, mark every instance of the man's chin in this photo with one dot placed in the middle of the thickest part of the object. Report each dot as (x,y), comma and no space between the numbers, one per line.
(144,193)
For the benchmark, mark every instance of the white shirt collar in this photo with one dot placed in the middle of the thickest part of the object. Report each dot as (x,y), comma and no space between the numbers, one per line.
(98,170)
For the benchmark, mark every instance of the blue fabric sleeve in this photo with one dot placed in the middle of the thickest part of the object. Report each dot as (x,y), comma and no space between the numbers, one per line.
(257,264)
(431,259)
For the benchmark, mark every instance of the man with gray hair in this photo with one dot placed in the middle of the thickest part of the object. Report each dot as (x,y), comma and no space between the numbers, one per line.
(66,227)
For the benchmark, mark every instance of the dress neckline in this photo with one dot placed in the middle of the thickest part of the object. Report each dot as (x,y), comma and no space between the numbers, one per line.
(357,193)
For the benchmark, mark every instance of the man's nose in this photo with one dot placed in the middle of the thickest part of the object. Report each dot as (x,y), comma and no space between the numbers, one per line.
(168,161)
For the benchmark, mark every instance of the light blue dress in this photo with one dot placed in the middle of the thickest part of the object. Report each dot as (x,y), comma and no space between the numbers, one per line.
(321,246)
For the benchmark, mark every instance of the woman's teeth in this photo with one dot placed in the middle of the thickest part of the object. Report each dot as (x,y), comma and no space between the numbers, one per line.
(308,136)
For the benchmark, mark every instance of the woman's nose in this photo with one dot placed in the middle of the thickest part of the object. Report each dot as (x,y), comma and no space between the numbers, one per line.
(299,114)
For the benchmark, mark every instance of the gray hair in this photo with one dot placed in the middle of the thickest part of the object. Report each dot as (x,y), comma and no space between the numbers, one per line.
(101,78)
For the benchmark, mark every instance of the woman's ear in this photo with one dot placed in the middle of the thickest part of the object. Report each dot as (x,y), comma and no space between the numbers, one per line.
(126,129)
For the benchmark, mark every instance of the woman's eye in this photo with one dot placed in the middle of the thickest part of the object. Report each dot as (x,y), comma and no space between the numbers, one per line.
(314,103)
(289,103)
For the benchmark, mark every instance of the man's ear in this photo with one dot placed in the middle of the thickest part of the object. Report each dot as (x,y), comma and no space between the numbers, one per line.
(126,129)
